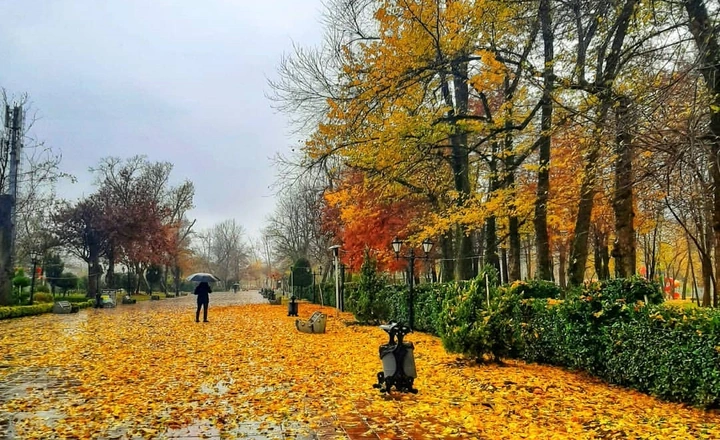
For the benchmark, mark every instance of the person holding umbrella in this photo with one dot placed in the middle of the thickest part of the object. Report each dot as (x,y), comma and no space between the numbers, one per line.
(203,292)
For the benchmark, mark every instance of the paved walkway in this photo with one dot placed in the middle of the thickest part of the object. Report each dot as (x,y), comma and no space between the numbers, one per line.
(18,381)
(148,371)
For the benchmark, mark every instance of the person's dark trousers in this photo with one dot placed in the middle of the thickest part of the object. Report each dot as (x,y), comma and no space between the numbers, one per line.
(204,305)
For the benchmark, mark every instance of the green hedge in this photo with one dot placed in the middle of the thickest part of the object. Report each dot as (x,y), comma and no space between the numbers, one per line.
(18,311)
(668,352)
(618,330)
(35,309)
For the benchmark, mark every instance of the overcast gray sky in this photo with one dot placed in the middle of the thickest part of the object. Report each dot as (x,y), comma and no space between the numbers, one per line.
(177,80)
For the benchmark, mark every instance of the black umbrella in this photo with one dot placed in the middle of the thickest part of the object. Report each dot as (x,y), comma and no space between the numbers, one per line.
(201,276)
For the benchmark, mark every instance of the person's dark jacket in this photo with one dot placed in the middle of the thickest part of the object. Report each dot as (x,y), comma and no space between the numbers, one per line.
(203,292)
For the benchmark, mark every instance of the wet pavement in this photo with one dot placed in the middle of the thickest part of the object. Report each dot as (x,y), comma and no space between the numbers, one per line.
(18,381)
(148,371)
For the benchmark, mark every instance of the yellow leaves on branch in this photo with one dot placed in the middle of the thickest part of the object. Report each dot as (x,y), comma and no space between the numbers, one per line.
(147,371)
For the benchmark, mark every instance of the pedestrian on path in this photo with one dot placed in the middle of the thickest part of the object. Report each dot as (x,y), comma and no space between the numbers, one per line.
(203,292)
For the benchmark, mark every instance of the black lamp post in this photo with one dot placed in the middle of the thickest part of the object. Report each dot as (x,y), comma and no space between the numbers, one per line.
(292,305)
(336,259)
(34,258)
(427,245)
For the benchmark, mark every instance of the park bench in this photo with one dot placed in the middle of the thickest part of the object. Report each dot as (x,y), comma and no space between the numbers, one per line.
(63,307)
(316,323)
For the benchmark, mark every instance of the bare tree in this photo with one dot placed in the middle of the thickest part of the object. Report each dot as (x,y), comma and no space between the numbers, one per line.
(223,250)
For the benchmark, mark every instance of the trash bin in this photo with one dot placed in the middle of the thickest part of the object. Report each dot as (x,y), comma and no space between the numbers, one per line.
(398,361)
(292,307)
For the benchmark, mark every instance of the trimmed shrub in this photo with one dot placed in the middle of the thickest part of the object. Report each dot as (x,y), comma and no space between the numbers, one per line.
(19,311)
(396,297)
(41,288)
(608,331)
(475,325)
(671,353)
(535,289)
(42,297)
(631,290)
(542,332)
(618,330)
(429,299)
(366,301)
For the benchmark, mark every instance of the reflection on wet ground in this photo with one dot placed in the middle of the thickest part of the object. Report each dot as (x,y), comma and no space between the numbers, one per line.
(31,384)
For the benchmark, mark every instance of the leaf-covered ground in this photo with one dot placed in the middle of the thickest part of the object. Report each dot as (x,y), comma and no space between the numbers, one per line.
(147,371)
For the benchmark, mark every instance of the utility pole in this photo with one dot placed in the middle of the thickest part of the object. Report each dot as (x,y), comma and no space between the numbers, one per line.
(12,144)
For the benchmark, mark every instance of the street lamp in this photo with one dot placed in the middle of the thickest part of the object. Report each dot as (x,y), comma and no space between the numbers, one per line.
(336,260)
(427,245)
(292,282)
(292,305)
(35,258)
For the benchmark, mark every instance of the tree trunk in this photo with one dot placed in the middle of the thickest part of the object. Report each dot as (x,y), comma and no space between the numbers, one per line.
(163,280)
(602,255)
(579,250)
(503,265)
(491,241)
(528,259)
(562,257)
(515,253)
(479,258)
(708,45)
(597,258)
(685,279)
(110,274)
(6,266)
(605,255)
(94,272)
(448,266)
(491,246)
(543,256)
(624,249)
(515,249)
(461,172)
(176,277)
(612,62)
(707,283)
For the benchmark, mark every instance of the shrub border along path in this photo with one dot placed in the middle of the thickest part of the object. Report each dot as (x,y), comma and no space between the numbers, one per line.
(148,371)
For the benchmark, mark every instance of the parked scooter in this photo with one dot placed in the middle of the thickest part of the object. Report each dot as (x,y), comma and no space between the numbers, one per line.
(398,361)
